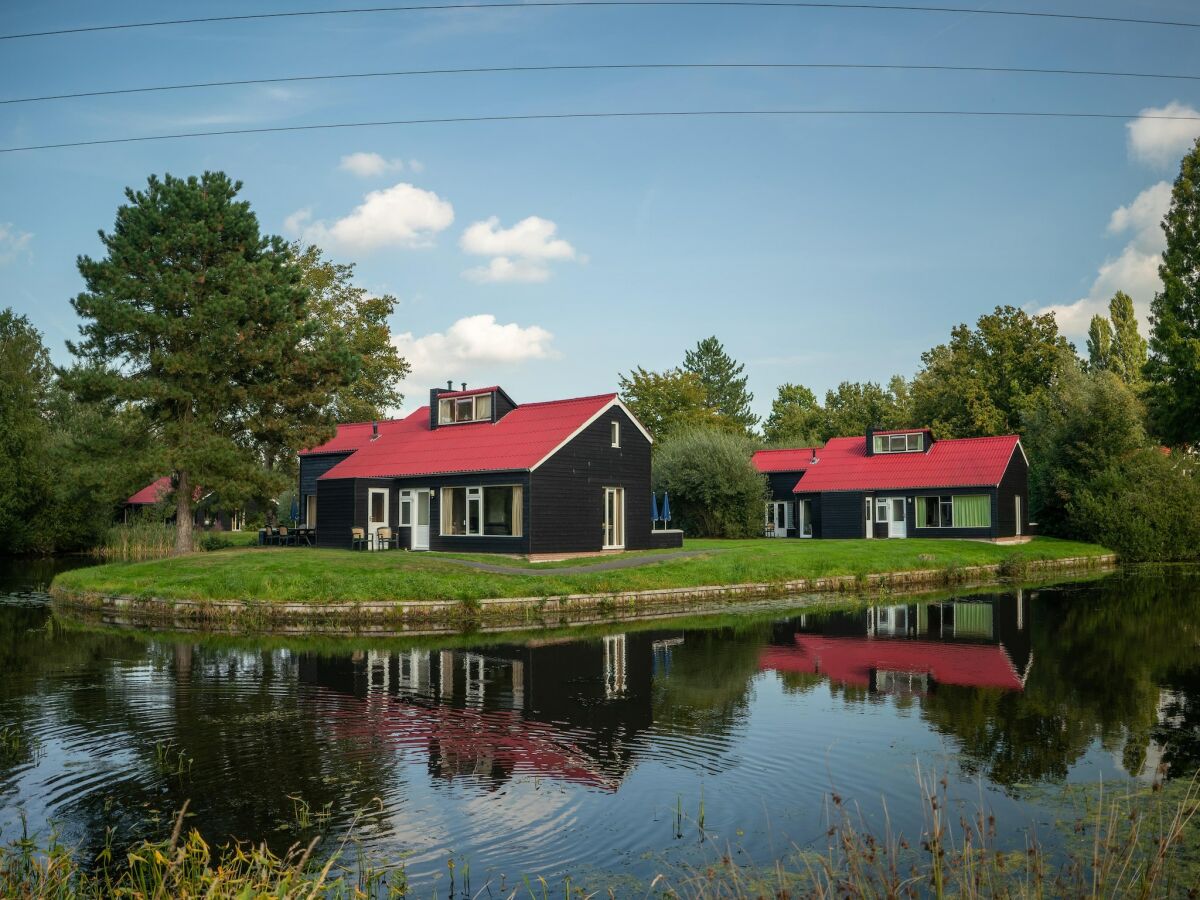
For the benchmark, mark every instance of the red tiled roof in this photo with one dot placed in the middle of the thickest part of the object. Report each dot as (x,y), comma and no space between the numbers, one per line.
(843,465)
(156,491)
(151,493)
(789,460)
(519,441)
(851,660)
(355,435)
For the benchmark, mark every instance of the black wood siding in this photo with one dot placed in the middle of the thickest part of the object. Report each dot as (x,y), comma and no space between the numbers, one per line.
(312,468)
(842,514)
(1015,483)
(568,489)
(336,512)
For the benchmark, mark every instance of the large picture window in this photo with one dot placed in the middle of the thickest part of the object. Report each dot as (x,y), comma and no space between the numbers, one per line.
(482,511)
(959,511)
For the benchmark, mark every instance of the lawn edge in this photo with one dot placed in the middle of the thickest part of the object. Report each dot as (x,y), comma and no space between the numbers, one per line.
(284,616)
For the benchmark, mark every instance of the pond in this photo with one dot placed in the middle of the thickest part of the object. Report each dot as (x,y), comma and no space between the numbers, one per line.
(597,753)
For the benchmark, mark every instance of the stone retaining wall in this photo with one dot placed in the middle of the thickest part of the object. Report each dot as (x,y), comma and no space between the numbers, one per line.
(405,616)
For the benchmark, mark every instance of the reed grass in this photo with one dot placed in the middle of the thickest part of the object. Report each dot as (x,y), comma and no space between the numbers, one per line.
(145,540)
(1132,844)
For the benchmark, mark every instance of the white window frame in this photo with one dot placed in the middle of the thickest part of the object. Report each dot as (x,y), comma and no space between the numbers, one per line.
(406,509)
(448,409)
(614,433)
(475,496)
(910,442)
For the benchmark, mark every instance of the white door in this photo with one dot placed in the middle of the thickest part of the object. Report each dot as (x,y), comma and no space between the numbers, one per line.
(778,518)
(614,518)
(420,532)
(897,524)
(804,524)
(1018,502)
(377,512)
(870,525)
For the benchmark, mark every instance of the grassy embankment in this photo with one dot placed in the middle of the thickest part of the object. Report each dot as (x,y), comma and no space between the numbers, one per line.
(315,576)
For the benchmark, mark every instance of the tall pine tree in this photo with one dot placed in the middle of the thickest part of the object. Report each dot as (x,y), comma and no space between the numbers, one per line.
(1174,366)
(203,323)
(723,381)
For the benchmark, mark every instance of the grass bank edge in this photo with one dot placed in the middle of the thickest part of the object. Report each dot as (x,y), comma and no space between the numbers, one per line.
(301,575)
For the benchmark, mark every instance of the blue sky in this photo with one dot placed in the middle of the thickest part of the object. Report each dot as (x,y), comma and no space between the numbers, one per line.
(549,256)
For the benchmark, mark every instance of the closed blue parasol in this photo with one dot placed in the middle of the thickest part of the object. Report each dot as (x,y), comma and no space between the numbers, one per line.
(295,508)
(653,508)
(666,515)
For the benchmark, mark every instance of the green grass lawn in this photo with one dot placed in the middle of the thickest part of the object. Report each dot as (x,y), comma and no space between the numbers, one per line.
(314,576)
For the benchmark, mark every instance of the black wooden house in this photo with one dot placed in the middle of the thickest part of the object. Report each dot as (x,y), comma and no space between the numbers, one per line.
(476,472)
(898,484)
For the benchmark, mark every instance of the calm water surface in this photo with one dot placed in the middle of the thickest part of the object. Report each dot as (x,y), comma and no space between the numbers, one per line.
(572,753)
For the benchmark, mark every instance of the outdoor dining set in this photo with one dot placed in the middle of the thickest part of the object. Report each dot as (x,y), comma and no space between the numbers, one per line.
(282,536)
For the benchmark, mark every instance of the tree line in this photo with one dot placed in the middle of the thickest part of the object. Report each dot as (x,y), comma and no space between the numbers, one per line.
(1111,436)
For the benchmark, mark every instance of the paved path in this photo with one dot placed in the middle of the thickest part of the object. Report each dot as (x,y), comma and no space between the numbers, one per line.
(626,562)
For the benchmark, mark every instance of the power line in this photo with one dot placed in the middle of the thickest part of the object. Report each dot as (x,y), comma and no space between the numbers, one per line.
(533,4)
(651,114)
(492,70)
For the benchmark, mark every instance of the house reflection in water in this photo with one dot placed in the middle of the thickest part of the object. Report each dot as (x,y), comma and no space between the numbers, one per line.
(569,710)
(909,649)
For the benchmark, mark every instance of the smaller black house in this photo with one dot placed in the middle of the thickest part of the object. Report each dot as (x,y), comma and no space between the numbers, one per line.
(476,472)
(897,484)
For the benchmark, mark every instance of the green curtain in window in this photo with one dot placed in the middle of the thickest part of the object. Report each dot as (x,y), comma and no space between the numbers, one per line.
(972,511)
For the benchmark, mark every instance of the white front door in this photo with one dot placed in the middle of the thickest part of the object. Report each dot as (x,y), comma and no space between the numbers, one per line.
(420,532)
(778,518)
(377,512)
(614,518)
(804,524)
(1018,512)
(897,524)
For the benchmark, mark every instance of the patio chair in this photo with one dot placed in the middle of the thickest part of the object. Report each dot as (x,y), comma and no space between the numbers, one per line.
(385,539)
(360,540)
(272,536)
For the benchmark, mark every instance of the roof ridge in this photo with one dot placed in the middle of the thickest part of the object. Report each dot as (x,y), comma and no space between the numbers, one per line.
(610,394)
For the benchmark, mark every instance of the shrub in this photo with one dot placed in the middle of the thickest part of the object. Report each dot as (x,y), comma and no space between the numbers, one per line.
(1142,507)
(715,491)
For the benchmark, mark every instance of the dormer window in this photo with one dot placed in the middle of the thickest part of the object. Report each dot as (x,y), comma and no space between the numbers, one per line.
(457,410)
(910,442)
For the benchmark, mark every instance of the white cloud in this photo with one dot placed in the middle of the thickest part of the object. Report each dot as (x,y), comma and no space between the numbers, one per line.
(1162,142)
(519,253)
(13,243)
(399,216)
(501,268)
(1134,270)
(473,343)
(368,165)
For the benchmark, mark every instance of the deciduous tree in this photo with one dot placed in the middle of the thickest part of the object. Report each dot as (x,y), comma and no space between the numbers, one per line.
(359,318)
(981,381)
(1099,344)
(1174,366)
(796,419)
(715,491)
(1128,357)
(668,401)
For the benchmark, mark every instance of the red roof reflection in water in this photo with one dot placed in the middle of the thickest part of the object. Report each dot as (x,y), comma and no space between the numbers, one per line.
(500,738)
(851,660)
